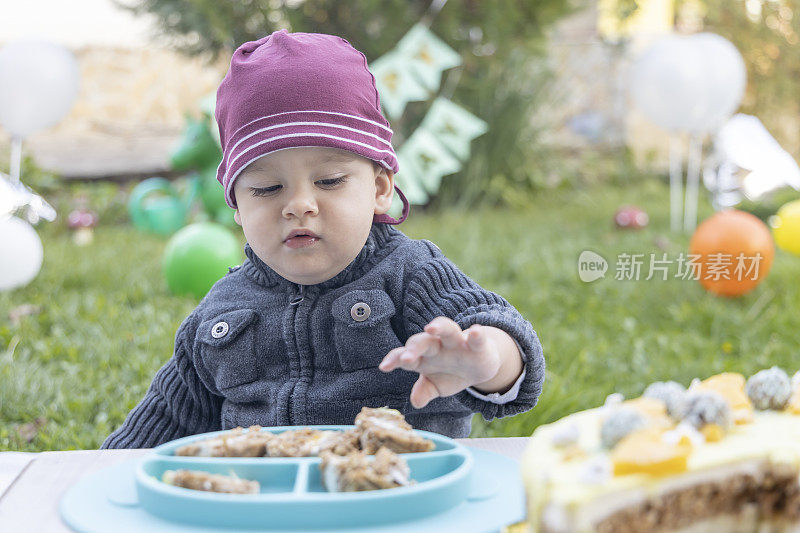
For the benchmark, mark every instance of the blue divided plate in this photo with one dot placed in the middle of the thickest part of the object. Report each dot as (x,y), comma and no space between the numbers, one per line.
(292,494)
(457,489)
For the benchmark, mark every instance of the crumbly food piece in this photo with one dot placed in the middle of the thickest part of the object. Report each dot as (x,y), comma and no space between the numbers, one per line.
(304,442)
(769,389)
(197,480)
(384,427)
(235,443)
(342,443)
(390,416)
(358,472)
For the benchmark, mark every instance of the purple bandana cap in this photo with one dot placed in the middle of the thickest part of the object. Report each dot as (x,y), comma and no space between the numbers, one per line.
(291,90)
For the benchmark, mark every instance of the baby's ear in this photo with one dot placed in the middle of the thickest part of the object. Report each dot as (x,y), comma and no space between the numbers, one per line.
(384,190)
(237,217)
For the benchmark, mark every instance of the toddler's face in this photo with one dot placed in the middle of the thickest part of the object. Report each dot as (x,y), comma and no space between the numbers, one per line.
(307,212)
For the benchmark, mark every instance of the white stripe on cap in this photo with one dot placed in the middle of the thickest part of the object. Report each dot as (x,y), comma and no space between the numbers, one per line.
(287,124)
(313,111)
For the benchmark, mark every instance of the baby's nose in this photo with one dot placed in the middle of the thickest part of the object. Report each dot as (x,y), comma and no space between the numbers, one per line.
(301,203)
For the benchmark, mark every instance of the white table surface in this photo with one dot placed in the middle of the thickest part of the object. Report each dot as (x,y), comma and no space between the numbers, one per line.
(31,484)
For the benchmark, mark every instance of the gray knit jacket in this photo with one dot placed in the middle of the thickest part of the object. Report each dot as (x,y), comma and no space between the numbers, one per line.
(259,349)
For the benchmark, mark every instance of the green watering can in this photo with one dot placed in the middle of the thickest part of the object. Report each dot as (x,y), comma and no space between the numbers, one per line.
(155,206)
(199,150)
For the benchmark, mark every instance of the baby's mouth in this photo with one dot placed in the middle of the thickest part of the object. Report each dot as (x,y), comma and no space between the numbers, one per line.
(301,241)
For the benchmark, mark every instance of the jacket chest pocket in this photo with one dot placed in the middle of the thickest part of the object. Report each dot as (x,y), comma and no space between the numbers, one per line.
(363,334)
(227,347)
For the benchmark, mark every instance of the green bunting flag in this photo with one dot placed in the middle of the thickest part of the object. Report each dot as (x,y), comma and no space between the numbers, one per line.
(453,126)
(396,84)
(408,181)
(412,72)
(429,160)
(428,56)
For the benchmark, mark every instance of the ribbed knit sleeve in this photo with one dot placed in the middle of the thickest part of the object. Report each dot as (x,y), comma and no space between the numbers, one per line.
(176,404)
(439,288)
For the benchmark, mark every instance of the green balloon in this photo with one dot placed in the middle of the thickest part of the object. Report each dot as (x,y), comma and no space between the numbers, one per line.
(199,255)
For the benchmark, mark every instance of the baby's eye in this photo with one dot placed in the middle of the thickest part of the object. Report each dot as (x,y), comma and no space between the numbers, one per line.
(265,191)
(332,182)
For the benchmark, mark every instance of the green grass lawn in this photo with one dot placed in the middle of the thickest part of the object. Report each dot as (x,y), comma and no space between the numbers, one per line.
(104,320)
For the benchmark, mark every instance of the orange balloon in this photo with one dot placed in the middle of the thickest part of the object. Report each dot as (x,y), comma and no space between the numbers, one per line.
(736,252)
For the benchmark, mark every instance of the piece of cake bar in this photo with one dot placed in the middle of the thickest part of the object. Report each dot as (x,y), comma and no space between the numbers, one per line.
(196,480)
(359,472)
(234,443)
(343,443)
(304,442)
(388,428)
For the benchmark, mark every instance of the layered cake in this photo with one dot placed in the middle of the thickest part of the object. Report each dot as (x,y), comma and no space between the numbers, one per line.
(720,456)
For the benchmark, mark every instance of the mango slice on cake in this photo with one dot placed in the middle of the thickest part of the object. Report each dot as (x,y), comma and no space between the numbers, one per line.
(655,411)
(794,402)
(645,452)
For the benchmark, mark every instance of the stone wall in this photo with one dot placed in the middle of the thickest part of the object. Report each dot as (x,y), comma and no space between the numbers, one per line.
(129,112)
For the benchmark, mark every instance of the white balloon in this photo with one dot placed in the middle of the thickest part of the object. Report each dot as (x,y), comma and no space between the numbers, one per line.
(21,253)
(38,84)
(689,83)
(665,83)
(726,80)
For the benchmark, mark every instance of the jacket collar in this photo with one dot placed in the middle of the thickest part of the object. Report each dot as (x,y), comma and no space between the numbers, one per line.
(382,239)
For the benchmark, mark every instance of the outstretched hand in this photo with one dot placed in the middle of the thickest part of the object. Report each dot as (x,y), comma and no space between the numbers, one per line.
(447,358)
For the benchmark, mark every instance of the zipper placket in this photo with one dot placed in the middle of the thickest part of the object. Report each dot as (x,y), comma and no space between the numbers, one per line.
(295,303)
(300,296)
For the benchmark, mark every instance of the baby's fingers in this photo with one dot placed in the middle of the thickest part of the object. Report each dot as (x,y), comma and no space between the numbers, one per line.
(423,392)
(476,338)
(448,331)
(391,359)
(420,344)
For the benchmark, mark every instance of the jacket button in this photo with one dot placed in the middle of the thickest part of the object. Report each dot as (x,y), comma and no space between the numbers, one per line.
(360,312)
(219,330)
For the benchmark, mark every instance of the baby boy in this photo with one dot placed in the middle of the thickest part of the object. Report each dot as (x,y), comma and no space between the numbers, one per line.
(334,308)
